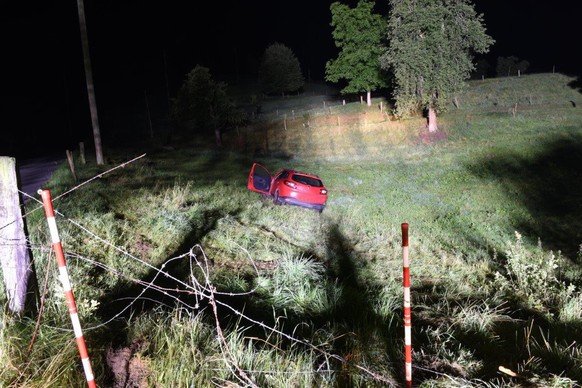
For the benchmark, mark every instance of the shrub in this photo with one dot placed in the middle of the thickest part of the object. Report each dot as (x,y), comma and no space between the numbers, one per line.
(532,278)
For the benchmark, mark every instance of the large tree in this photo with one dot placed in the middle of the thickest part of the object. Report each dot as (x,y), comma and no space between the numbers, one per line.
(204,103)
(280,71)
(358,34)
(430,53)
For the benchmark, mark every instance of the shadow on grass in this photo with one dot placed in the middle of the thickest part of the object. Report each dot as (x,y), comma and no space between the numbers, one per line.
(365,338)
(370,339)
(355,311)
(549,185)
(212,169)
(515,337)
(115,301)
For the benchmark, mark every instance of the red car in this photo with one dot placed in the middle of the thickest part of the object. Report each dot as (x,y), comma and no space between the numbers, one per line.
(289,187)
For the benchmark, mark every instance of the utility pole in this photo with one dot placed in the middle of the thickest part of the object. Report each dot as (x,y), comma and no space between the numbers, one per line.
(89,79)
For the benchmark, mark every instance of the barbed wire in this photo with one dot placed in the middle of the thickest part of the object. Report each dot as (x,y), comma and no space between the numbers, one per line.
(72,189)
(202,290)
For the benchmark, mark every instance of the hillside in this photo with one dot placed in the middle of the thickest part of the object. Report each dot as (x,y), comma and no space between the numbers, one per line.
(321,126)
(183,277)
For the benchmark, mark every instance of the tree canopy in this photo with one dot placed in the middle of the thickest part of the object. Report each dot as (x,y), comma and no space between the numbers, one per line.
(358,34)
(431,49)
(280,71)
(205,104)
(508,66)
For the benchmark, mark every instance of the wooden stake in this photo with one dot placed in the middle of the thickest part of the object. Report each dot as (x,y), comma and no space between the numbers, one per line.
(149,114)
(15,257)
(82,152)
(71,164)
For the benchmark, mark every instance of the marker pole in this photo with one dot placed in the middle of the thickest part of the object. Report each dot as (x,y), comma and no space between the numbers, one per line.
(407,314)
(64,276)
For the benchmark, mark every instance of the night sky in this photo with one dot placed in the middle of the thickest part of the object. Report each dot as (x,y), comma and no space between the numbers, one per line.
(137,45)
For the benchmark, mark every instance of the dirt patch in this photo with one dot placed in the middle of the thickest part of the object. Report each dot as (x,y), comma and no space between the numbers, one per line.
(142,246)
(426,137)
(127,368)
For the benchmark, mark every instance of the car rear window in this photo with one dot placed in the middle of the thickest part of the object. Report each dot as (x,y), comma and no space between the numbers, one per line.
(307,180)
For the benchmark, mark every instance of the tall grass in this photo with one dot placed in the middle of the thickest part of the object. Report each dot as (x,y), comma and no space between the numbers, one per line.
(299,284)
(184,347)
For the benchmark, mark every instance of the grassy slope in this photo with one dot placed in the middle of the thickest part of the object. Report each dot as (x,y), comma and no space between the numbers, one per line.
(464,196)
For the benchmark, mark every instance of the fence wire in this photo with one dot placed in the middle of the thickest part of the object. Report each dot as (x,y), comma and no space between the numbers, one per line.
(199,287)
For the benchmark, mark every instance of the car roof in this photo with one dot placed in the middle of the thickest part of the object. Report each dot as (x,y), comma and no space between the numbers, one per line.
(300,173)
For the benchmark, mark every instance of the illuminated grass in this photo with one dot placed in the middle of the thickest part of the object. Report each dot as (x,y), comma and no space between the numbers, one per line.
(335,277)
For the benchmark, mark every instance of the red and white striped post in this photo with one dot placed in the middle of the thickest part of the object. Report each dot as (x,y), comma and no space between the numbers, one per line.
(407,315)
(64,276)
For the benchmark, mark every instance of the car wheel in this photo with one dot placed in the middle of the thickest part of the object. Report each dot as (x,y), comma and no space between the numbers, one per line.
(276,198)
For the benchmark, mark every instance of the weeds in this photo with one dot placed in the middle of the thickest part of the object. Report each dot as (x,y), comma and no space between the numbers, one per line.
(532,278)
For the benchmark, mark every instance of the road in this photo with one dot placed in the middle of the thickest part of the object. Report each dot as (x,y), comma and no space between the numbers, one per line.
(35,172)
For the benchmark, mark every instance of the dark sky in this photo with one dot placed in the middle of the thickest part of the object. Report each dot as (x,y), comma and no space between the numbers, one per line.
(543,33)
(137,45)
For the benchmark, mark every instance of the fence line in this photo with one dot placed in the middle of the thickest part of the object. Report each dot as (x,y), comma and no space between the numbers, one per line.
(202,290)
(207,291)
(326,107)
(71,189)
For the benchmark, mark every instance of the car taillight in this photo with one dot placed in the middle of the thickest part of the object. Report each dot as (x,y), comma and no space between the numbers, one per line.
(290,184)
(323,191)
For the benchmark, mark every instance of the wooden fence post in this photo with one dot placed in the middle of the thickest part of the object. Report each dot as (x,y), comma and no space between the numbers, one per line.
(82,152)
(71,161)
(15,256)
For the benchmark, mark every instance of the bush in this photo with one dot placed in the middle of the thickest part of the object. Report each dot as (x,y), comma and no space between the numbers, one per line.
(532,278)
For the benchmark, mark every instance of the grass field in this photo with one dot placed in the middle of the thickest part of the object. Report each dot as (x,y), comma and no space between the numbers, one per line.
(307,299)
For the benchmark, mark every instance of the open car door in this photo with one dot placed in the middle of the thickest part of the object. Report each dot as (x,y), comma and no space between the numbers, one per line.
(259,179)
